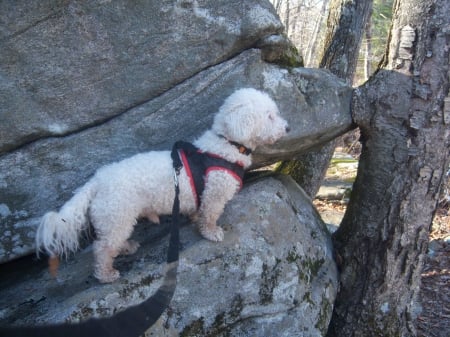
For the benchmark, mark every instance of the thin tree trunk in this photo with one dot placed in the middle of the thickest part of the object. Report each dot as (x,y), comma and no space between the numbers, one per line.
(403,113)
(305,169)
(294,21)
(346,22)
(287,17)
(310,58)
(368,49)
(277,5)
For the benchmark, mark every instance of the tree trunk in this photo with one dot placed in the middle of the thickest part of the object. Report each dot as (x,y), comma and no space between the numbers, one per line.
(346,23)
(306,170)
(287,15)
(277,5)
(310,58)
(403,113)
(368,50)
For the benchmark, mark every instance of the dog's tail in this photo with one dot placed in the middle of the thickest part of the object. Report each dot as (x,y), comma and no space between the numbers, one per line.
(58,233)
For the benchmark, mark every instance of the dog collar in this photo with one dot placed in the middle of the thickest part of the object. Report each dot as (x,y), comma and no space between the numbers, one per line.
(241,148)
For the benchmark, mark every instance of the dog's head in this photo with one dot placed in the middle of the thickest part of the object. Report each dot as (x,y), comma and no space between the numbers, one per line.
(250,117)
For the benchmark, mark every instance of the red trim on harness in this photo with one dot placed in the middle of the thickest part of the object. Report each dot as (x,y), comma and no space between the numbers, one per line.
(219,157)
(228,171)
(189,174)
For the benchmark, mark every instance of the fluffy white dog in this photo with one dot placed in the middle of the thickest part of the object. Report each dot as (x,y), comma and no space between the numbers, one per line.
(143,186)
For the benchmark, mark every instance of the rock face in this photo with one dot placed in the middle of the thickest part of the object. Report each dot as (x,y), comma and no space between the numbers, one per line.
(86,83)
(273,275)
(67,66)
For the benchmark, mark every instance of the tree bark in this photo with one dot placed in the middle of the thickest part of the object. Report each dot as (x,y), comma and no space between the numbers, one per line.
(346,23)
(308,171)
(403,113)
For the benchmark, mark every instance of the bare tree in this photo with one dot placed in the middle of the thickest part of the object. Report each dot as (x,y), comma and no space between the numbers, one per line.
(302,20)
(277,4)
(346,21)
(403,113)
(311,50)
(368,49)
(287,16)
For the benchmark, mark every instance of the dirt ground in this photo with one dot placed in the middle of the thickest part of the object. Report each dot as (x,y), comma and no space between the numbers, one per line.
(434,320)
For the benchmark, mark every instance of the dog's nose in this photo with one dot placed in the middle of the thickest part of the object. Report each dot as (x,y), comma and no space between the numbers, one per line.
(288,129)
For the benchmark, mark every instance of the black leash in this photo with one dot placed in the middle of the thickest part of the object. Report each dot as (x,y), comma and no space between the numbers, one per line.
(133,321)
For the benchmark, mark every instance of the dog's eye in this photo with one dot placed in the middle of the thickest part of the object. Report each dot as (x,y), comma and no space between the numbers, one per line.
(271,117)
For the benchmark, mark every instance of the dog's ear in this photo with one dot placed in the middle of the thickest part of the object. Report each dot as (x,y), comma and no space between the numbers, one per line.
(240,121)
(236,121)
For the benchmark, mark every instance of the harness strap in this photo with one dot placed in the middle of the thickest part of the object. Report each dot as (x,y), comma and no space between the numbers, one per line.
(132,322)
(198,165)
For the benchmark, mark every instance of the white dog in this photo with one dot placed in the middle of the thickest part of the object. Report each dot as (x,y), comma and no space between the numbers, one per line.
(143,186)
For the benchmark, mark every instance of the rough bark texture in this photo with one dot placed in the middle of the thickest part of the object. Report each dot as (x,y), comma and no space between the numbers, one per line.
(403,113)
(346,23)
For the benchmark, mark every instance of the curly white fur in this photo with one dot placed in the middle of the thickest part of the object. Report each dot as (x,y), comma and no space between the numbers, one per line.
(143,186)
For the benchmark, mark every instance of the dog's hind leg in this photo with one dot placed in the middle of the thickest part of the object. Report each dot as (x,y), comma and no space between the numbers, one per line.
(112,240)
(107,247)
(105,252)
(104,259)
(113,221)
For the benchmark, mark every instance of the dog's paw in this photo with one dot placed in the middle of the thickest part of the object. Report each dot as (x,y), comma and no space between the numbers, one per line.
(213,234)
(107,277)
(153,217)
(130,247)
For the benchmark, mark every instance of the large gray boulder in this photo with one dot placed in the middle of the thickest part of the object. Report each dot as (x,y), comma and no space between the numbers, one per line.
(70,65)
(86,83)
(273,275)
(42,175)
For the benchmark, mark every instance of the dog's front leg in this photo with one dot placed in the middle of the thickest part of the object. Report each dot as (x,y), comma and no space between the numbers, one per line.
(220,188)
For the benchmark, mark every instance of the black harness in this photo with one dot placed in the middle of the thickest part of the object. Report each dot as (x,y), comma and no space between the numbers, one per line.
(199,164)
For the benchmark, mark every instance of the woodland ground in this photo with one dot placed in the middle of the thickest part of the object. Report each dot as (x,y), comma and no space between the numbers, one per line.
(434,320)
